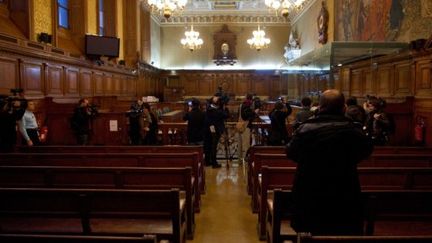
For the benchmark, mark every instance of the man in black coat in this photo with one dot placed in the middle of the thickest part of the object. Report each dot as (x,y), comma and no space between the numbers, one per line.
(326,188)
(195,118)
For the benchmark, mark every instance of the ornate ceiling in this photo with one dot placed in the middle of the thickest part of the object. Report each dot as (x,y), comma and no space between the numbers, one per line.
(228,11)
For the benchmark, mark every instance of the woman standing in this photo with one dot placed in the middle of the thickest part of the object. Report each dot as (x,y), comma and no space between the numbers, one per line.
(152,128)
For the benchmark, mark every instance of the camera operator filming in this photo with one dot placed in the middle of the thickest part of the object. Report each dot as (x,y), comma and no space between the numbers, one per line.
(136,122)
(12,109)
(81,120)
(248,110)
(216,114)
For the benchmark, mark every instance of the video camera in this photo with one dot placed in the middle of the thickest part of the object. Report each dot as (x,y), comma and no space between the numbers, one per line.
(223,97)
(13,103)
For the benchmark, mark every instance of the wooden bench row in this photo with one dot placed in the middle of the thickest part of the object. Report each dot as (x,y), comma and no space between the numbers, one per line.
(370,179)
(104,178)
(98,212)
(307,238)
(113,160)
(379,160)
(395,205)
(50,238)
(121,149)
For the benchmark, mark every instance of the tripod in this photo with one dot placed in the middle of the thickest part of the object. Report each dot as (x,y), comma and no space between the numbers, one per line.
(226,143)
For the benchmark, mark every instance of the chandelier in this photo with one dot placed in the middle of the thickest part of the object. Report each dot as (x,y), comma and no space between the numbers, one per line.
(258,41)
(285,6)
(191,40)
(167,7)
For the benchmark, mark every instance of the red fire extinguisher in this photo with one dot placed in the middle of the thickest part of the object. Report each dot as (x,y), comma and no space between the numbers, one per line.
(43,133)
(419,130)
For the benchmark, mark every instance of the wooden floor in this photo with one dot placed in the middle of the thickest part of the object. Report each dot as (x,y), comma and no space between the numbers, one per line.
(226,215)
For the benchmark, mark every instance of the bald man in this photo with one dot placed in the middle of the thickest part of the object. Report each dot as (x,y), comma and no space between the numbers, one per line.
(326,189)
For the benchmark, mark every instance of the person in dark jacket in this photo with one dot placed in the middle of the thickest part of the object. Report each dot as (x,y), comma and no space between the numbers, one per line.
(195,118)
(379,125)
(326,188)
(305,112)
(355,111)
(152,127)
(136,122)
(214,126)
(81,121)
(278,116)
(247,113)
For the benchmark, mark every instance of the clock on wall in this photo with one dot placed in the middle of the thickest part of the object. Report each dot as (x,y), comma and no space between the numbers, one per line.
(322,23)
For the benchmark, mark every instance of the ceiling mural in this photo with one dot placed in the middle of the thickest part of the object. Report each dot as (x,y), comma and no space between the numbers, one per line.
(384,20)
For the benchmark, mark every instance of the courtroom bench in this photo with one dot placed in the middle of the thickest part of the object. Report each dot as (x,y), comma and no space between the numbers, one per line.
(405,208)
(49,238)
(307,238)
(103,178)
(123,149)
(111,160)
(103,212)
(387,178)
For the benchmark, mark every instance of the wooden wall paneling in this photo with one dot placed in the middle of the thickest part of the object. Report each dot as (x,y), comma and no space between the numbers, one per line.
(108,84)
(131,87)
(337,81)
(369,86)
(98,81)
(72,81)
(345,81)
(261,86)
(122,85)
(356,83)
(20,15)
(276,88)
(9,76)
(402,79)
(423,82)
(190,84)
(116,85)
(385,77)
(242,85)
(32,78)
(86,84)
(423,108)
(207,85)
(54,80)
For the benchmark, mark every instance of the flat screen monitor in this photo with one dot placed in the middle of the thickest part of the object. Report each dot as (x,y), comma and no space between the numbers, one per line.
(102,46)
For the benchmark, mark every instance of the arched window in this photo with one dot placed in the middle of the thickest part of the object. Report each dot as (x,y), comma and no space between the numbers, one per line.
(101,17)
(63,13)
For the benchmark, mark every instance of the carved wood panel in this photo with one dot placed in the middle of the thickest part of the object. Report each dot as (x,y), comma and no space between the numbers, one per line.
(190,86)
(385,81)
(402,80)
(71,81)
(116,85)
(423,78)
(54,80)
(356,83)
(86,87)
(32,78)
(261,87)
(345,81)
(242,86)
(98,83)
(8,74)
(369,84)
(108,84)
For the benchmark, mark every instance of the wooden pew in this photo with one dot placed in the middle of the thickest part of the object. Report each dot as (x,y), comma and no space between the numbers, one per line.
(307,238)
(391,205)
(124,149)
(271,160)
(103,178)
(93,212)
(111,160)
(370,179)
(35,238)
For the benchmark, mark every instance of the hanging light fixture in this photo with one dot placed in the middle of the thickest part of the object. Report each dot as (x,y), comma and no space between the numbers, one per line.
(191,40)
(285,6)
(167,7)
(258,41)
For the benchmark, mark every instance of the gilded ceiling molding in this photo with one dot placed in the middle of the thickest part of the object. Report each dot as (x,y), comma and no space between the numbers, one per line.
(220,19)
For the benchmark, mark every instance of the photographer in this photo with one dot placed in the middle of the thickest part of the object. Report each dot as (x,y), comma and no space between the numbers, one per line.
(215,117)
(379,125)
(249,109)
(136,122)
(81,121)
(279,134)
(11,110)
(151,127)
(28,126)
(195,119)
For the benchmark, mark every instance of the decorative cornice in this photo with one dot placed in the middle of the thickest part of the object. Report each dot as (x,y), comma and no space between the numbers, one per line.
(224,19)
